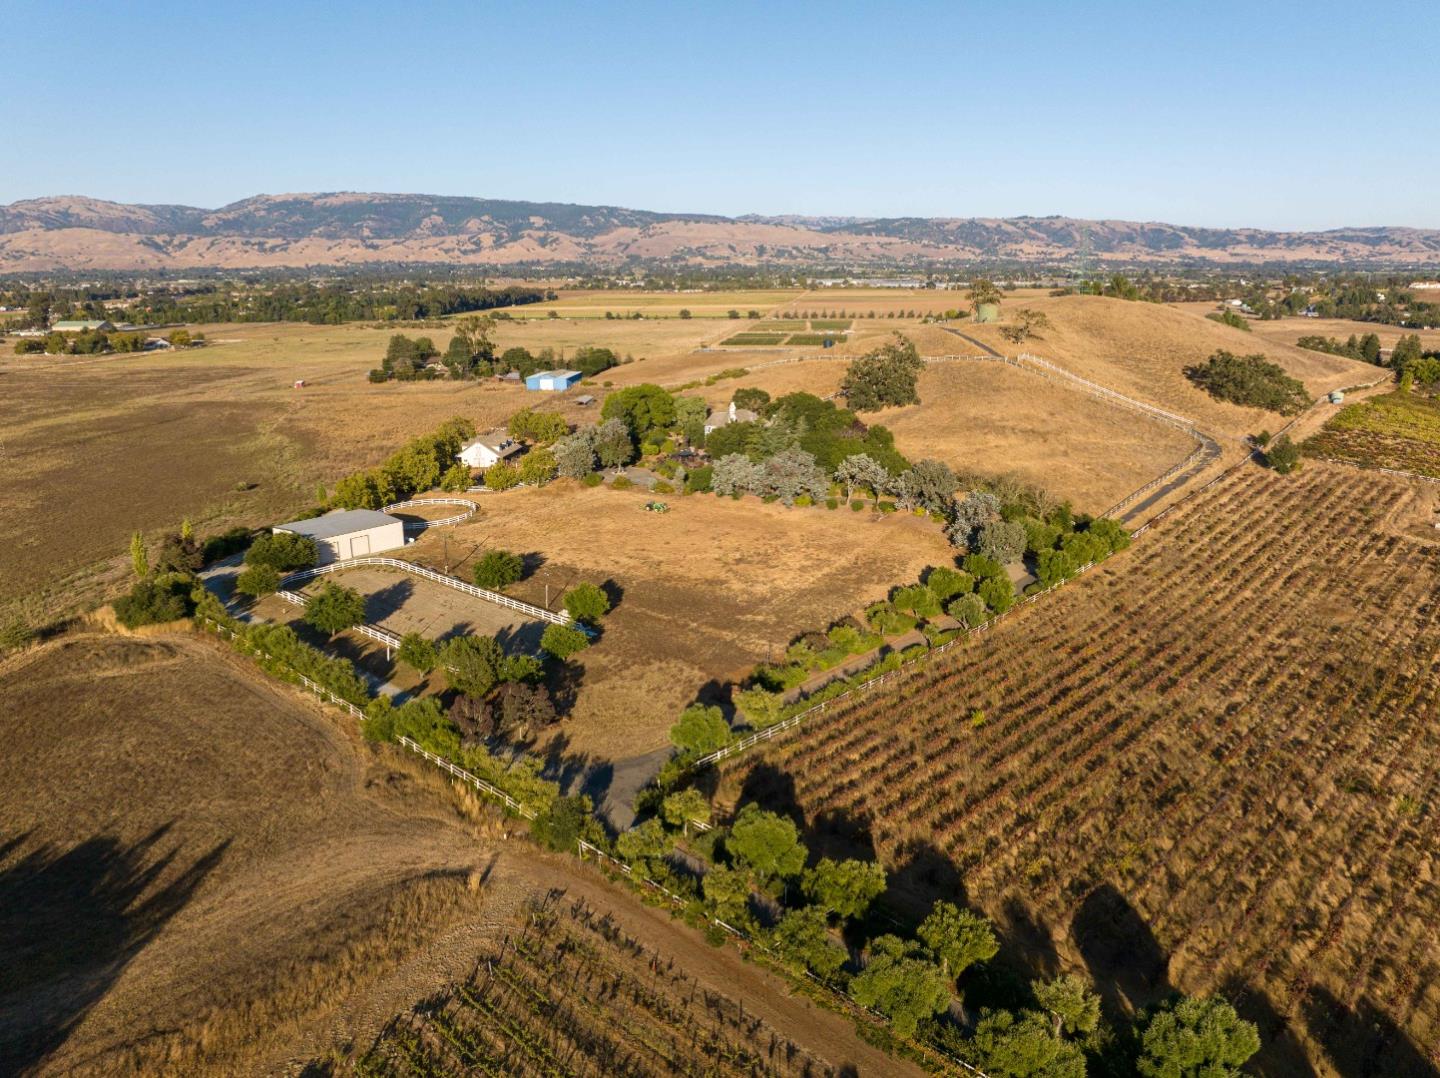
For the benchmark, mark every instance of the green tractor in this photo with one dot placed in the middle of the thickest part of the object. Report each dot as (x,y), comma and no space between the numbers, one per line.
(656,507)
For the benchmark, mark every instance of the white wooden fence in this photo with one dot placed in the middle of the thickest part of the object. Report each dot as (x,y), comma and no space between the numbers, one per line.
(430,574)
(374,632)
(489,789)
(421,525)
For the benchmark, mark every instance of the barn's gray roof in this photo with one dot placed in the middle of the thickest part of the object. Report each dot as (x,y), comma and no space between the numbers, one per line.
(340,522)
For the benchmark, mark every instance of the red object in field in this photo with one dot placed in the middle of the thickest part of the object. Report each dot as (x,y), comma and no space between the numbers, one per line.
(300,383)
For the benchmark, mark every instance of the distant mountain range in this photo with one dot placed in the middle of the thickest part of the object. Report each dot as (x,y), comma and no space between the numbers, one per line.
(347,229)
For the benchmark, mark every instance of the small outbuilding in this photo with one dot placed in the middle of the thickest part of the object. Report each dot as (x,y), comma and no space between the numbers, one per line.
(553,381)
(349,533)
(83,325)
(1337,396)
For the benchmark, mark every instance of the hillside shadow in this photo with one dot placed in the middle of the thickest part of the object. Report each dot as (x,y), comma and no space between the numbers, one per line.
(1362,1041)
(71,921)
(1129,967)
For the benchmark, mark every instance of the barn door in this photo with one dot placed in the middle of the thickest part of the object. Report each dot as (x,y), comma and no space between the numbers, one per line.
(359,546)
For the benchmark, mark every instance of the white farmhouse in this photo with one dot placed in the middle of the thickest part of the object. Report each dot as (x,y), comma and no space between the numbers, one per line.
(349,533)
(716,420)
(487,449)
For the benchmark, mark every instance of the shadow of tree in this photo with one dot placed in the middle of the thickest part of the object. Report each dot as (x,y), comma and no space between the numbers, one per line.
(1129,967)
(388,601)
(773,789)
(71,921)
(1362,1041)
(1281,1054)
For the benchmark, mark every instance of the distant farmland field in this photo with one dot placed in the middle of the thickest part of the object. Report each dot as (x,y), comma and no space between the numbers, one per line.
(1211,764)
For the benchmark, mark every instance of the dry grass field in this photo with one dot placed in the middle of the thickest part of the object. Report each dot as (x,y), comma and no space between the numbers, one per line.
(1142,350)
(203,871)
(992,417)
(1290,330)
(198,864)
(705,591)
(1211,764)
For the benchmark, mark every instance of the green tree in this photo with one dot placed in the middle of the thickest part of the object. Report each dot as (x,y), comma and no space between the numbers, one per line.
(700,730)
(727,894)
(846,888)
(501,476)
(497,569)
(456,479)
(1283,455)
(1003,540)
(685,807)
(998,593)
(587,603)
(335,608)
(901,983)
(766,843)
(957,938)
(1370,348)
(645,847)
(155,600)
(1072,1003)
(888,375)
(1007,1045)
(418,653)
(1252,381)
(947,583)
(575,454)
(139,560)
(644,409)
(1407,350)
(803,938)
(562,823)
(983,291)
(538,467)
(969,610)
(284,551)
(563,641)
(612,444)
(258,580)
(473,664)
(685,312)
(1025,324)
(1196,1038)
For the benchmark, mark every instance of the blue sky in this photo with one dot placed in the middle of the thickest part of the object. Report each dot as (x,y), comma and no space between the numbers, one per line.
(1279,115)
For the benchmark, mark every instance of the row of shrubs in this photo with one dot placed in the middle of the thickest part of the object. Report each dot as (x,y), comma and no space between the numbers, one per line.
(819,917)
